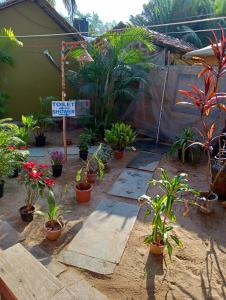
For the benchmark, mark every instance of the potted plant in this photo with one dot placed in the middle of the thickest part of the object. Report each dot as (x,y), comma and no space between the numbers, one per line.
(29,124)
(54,225)
(18,158)
(181,145)
(163,211)
(104,153)
(119,137)
(84,142)
(36,179)
(5,167)
(205,100)
(57,161)
(84,179)
(42,123)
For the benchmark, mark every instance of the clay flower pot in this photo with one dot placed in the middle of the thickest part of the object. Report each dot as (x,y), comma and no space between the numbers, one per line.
(156,249)
(83,192)
(118,154)
(206,202)
(53,230)
(91,177)
(223,203)
(27,215)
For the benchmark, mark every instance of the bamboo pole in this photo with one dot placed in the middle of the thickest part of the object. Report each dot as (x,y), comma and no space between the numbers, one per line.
(63,97)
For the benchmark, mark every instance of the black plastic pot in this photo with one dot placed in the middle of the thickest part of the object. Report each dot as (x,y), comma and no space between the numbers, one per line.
(57,170)
(83,155)
(40,141)
(15,173)
(2,182)
(27,216)
(219,185)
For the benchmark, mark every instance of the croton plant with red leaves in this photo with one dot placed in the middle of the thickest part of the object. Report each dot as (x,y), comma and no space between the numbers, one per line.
(209,97)
(36,178)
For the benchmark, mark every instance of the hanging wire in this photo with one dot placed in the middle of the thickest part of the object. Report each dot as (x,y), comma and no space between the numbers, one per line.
(119,30)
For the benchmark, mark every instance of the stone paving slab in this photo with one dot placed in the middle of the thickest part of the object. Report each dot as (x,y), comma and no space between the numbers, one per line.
(72,150)
(131,184)
(146,161)
(8,235)
(37,151)
(150,146)
(103,237)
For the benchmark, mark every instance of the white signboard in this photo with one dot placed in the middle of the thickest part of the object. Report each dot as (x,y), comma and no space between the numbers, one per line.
(63,108)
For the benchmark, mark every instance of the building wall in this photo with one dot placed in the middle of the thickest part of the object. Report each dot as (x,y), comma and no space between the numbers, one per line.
(33,74)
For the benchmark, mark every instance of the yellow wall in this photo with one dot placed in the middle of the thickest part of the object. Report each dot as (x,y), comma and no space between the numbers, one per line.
(33,74)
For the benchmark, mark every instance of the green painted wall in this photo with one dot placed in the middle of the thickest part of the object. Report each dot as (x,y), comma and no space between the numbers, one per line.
(33,74)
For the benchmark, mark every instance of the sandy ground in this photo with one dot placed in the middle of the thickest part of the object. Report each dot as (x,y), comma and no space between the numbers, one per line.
(197,271)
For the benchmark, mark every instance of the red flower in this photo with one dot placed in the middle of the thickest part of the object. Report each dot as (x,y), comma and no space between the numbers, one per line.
(35,174)
(11,147)
(43,166)
(49,182)
(29,165)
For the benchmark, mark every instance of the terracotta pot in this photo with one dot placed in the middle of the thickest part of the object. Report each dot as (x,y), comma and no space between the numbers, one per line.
(219,186)
(23,147)
(206,202)
(156,249)
(83,192)
(91,177)
(118,154)
(69,142)
(27,216)
(223,203)
(53,230)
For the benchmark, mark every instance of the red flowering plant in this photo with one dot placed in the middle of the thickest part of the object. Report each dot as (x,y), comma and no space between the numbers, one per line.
(209,98)
(36,179)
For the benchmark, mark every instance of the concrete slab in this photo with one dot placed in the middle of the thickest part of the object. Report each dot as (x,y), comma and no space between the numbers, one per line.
(73,258)
(131,184)
(37,152)
(102,240)
(8,235)
(146,161)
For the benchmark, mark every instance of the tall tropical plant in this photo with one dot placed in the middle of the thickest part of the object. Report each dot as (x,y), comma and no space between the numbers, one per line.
(207,99)
(116,72)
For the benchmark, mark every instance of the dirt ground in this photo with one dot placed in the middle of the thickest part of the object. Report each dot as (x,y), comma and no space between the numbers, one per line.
(197,271)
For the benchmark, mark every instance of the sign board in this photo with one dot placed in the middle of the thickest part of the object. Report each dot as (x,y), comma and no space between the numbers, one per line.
(63,108)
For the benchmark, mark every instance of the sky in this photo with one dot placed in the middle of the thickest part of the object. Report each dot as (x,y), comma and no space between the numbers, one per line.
(108,10)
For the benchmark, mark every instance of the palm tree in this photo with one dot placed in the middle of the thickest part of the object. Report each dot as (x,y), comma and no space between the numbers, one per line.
(170,11)
(112,80)
(71,7)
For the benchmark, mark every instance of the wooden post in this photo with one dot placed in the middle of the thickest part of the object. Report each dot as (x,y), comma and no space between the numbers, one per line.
(63,97)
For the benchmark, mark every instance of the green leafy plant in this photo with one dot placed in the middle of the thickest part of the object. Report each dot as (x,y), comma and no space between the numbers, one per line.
(92,165)
(84,141)
(104,153)
(53,214)
(29,124)
(163,208)
(120,136)
(182,142)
